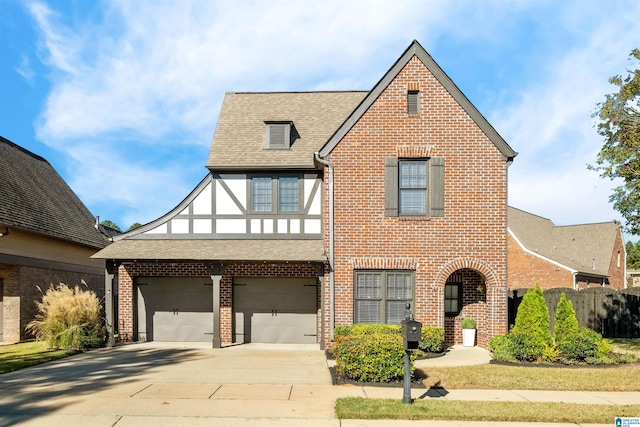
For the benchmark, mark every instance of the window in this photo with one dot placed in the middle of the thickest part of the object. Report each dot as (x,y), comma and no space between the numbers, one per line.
(414,187)
(269,193)
(278,136)
(261,194)
(381,296)
(452,294)
(288,194)
(412,102)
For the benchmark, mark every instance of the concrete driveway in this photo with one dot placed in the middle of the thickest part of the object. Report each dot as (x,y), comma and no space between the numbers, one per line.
(166,384)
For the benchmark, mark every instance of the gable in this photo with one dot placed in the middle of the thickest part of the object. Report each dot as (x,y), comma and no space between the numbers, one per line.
(417,51)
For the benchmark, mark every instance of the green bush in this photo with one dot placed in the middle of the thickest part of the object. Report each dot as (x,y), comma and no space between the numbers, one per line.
(432,340)
(69,318)
(371,357)
(468,323)
(584,346)
(527,347)
(501,348)
(531,334)
(566,323)
(365,328)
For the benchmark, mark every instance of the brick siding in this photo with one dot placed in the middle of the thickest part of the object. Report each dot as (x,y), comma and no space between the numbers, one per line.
(472,233)
(127,273)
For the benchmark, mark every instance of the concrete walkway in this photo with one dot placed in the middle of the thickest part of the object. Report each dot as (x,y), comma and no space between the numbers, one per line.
(245,386)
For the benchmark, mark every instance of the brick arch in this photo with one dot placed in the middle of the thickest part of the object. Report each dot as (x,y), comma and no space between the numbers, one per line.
(469,263)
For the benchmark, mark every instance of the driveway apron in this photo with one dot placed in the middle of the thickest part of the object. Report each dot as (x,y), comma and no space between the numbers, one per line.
(110,386)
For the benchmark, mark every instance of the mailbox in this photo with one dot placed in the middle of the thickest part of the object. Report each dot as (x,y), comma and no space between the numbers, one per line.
(411,334)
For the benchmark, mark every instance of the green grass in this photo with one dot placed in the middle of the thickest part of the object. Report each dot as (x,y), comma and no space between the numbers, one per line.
(551,412)
(18,356)
(621,377)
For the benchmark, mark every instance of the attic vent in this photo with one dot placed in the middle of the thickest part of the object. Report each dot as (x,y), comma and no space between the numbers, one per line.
(278,136)
(412,102)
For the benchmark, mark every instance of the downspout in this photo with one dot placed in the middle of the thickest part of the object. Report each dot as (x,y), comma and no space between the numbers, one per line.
(331,246)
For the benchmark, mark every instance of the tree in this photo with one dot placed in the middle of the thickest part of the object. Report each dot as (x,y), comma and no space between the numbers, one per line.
(134,226)
(531,334)
(110,224)
(566,323)
(633,255)
(619,157)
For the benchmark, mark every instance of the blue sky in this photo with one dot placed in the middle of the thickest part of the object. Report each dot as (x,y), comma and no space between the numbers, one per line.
(122,97)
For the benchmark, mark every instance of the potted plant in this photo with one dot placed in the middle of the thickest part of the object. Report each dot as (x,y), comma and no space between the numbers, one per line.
(468,332)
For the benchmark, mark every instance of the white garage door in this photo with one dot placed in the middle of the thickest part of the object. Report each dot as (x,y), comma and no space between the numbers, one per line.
(275,310)
(175,309)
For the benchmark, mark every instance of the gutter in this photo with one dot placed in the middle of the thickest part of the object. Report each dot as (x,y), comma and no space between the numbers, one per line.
(331,246)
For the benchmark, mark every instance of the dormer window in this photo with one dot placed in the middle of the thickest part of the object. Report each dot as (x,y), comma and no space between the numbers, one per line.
(278,135)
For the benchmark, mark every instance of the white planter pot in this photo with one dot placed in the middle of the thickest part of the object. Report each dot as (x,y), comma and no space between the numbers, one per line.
(468,337)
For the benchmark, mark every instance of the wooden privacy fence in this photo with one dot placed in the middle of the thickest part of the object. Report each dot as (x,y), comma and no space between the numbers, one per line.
(614,314)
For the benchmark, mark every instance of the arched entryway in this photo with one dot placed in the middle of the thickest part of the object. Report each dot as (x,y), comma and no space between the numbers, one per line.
(465,293)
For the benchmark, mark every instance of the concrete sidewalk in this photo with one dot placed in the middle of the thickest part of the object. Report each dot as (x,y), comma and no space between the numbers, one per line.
(246,386)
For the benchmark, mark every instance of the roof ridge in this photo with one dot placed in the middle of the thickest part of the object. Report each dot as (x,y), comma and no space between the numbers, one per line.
(295,92)
(24,150)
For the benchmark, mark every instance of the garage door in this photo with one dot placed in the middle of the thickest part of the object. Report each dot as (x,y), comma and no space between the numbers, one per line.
(175,309)
(275,310)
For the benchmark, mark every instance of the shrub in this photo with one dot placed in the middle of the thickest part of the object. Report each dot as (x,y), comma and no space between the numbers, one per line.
(531,330)
(501,348)
(432,340)
(371,357)
(584,346)
(527,347)
(69,318)
(365,328)
(566,323)
(468,323)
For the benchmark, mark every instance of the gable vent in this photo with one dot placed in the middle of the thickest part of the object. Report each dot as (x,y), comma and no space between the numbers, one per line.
(278,135)
(412,102)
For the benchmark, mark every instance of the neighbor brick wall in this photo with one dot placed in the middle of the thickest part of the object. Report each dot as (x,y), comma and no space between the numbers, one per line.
(617,267)
(527,270)
(472,233)
(23,286)
(129,271)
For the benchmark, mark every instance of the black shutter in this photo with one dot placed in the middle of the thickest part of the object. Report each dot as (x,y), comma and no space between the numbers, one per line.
(391,186)
(436,187)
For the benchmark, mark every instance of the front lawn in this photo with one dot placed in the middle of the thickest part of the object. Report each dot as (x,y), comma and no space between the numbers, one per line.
(550,412)
(18,356)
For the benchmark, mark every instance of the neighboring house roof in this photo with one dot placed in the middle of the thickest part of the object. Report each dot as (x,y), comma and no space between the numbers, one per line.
(584,248)
(416,49)
(34,198)
(240,137)
(224,250)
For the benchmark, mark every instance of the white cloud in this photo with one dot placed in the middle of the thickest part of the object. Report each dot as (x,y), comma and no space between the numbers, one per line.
(137,86)
(25,69)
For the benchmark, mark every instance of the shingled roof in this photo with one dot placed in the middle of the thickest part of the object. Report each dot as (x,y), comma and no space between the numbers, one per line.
(240,136)
(585,248)
(33,197)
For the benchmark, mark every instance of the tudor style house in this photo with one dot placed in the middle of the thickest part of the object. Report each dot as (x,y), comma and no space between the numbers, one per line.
(47,236)
(323,209)
(572,256)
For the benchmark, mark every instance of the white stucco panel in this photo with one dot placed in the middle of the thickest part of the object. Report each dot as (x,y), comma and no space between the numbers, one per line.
(202,226)
(224,203)
(179,226)
(238,187)
(312,226)
(161,229)
(202,202)
(231,226)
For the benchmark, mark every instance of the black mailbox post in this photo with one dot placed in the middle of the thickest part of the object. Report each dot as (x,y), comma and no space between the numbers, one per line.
(411,333)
